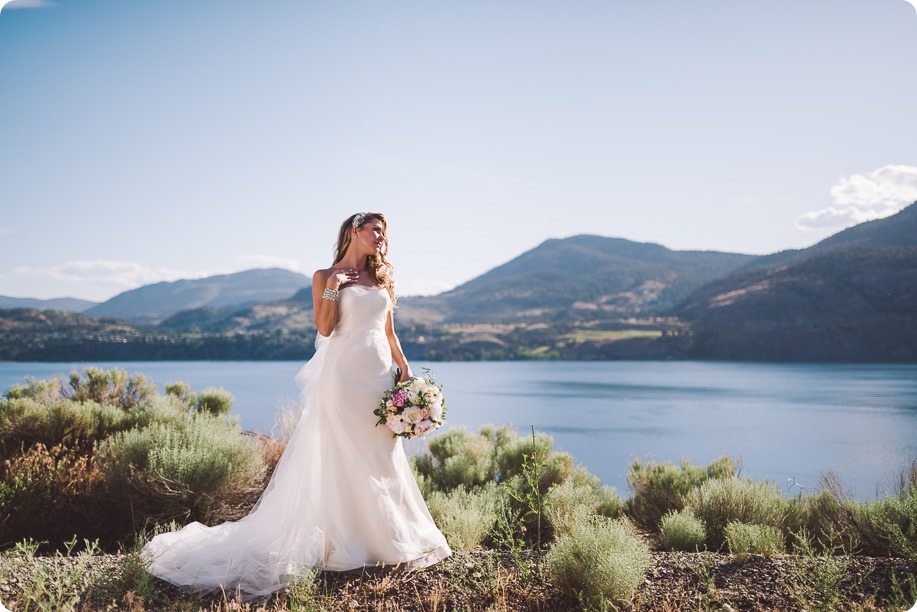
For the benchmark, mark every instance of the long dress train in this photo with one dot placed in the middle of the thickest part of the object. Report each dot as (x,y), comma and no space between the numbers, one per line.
(342,496)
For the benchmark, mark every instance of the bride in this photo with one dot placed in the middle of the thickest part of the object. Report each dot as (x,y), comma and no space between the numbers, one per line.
(342,495)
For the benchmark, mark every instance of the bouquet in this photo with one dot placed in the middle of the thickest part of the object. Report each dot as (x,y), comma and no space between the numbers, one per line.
(412,408)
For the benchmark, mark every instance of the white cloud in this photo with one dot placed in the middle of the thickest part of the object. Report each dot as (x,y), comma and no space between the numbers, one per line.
(119,275)
(864,197)
(267,261)
(122,274)
(21,4)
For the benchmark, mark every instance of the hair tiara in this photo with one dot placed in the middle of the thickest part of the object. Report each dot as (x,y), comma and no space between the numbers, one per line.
(358,220)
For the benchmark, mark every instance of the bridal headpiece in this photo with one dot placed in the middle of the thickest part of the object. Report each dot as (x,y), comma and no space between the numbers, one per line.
(358,220)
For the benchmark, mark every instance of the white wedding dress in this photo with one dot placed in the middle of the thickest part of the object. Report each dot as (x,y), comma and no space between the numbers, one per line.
(342,496)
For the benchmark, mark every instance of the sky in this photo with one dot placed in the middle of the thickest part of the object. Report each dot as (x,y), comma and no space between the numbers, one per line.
(147,141)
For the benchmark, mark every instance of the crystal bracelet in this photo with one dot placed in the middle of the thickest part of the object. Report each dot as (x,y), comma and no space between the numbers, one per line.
(331,295)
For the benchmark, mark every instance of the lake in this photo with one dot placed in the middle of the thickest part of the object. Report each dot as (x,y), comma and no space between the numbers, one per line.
(786,422)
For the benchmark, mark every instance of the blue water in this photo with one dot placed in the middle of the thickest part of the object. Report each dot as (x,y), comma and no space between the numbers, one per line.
(784,421)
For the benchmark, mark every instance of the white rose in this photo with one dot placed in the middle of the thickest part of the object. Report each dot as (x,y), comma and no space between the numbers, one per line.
(396,425)
(436,411)
(412,415)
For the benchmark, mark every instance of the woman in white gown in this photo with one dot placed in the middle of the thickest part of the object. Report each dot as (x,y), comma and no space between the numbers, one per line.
(343,495)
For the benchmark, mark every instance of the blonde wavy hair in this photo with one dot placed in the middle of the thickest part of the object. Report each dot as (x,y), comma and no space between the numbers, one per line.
(379,267)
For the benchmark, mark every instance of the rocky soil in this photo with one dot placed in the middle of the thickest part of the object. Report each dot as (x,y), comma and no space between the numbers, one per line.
(489,580)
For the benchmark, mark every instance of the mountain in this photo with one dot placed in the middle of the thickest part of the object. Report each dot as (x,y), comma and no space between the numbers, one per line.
(66,304)
(582,277)
(851,297)
(153,303)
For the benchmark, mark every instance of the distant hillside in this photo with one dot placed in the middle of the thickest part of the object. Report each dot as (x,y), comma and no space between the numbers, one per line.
(66,304)
(583,277)
(291,314)
(32,335)
(154,303)
(851,297)
(897,230)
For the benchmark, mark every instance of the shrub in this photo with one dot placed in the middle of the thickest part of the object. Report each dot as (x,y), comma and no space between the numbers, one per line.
(46,493)
(570,503)
(888,526)
(825,517)
(720,501)
(465,517)
(214,401)
(457,458)
(27,421)
(513,453)
(111,387)
(46,391)
(182,392)
(745,539)
(659,488)
(610,504)
(814,579)
(883,527)
(171,470)
(681,530)
(599,561)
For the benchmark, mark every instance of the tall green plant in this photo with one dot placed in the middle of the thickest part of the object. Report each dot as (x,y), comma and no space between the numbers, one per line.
(660,488)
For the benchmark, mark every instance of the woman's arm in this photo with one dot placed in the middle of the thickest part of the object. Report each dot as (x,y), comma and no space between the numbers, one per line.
(326,311)
(395,345)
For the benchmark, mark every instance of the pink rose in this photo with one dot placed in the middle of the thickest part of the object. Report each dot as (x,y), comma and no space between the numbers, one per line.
(423,427)
(399,397)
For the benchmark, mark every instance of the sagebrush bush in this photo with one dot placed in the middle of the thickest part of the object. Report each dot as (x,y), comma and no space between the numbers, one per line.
(745,539)
(570,503)
(214,401)
(170,470)
(111,387)
(610,504)
(884,527)
(599,561)
(457,458)
(515,449)
(826,518)
(720,501)
(888,526)
(659,488)
(26,421)
(181,391)
(465,517)
(45,391)
(46,493)
(681,530)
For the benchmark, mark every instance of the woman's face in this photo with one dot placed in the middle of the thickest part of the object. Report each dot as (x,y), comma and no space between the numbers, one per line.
(370,236)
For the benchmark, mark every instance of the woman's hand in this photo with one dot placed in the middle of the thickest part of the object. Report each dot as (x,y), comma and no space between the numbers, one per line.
(342,278)
(406,375)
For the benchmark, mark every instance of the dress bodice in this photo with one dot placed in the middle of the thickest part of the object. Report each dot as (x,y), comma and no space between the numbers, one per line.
(362,309)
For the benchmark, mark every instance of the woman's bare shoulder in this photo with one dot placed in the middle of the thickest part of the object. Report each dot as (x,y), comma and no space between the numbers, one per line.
(321,276)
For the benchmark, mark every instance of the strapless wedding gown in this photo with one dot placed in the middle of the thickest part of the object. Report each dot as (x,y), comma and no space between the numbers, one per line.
(342,496)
